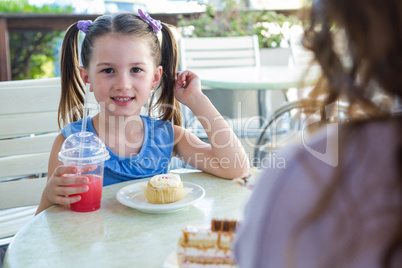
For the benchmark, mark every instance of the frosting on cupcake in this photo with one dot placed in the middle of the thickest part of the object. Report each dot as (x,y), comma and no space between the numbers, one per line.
(165,180)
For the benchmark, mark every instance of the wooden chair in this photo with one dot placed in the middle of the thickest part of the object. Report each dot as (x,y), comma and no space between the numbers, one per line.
(28,120)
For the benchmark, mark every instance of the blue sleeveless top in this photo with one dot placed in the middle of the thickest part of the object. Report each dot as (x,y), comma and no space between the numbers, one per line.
(153,158)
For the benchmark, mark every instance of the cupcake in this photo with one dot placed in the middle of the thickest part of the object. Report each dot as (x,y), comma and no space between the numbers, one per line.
(164,189)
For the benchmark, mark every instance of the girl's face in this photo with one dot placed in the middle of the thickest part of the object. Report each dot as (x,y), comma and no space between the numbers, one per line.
(121,73)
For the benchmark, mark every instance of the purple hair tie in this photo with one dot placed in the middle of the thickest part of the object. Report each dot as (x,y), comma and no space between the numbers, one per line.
(156,24)
(83,25)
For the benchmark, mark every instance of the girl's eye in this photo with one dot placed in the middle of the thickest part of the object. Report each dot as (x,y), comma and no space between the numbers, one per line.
(135,70)
(108,70)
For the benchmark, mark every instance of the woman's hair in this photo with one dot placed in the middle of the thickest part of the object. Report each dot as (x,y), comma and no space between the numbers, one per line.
(369,65)
(164,54)
(371,59)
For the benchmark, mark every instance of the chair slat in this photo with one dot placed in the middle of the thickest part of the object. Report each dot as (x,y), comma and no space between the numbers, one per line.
(7,215)
(23,165)
(26,124)
(11,220)
(36,99)
(25,192)
(27,145)
(54,81)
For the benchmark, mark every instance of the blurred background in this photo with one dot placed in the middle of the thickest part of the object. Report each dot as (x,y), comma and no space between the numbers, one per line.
(33,42)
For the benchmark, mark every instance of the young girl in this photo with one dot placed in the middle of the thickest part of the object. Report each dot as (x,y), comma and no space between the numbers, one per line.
(125,58)
(348,214)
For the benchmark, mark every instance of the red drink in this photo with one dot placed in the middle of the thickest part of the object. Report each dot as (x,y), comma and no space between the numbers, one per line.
(91,200)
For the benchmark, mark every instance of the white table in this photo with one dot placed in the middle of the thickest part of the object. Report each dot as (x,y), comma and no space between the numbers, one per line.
(258,78)
(116,235)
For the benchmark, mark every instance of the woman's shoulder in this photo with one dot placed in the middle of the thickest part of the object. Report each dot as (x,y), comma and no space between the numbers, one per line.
(374,135)
(357,133)
(316,157)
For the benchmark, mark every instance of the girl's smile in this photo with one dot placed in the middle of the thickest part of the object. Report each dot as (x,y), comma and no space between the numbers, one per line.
(122,100)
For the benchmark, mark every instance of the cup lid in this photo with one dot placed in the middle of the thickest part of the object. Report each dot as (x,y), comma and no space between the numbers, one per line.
(83,148)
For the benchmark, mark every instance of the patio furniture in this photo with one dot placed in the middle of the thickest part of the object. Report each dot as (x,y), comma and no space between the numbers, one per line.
(28,120)
(120,236)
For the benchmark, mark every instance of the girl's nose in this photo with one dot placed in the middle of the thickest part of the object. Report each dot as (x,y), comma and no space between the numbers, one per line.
(123,82)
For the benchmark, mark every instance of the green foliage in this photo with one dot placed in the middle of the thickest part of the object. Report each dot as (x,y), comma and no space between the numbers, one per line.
(23,6)
(234,20)
(32,54)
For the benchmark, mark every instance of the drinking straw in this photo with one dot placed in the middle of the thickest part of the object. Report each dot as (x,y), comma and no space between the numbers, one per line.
(84,120)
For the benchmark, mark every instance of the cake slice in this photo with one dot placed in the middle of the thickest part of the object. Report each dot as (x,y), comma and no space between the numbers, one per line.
(207,245)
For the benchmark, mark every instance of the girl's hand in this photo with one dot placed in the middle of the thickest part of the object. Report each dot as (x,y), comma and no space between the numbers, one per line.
(187,88)
(63,183)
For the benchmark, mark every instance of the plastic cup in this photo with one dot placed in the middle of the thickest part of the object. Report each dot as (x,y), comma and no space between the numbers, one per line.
(87,152)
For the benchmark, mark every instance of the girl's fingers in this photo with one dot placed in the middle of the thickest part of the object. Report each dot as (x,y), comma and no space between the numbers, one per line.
(61,170)
(67,200)
(67,180)
(183,75)
(71,190)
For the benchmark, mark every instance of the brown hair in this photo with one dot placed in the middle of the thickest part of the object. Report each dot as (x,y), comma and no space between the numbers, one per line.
(369,65)
(72,88)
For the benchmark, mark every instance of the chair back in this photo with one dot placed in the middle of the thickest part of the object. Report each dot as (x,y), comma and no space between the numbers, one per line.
(217,52)
(28,120)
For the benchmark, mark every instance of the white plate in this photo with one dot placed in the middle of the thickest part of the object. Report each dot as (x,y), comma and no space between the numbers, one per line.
(171,261)
(132,196)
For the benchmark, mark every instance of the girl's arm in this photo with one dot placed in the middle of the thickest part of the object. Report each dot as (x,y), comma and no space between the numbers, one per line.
(224,156)
(59,177)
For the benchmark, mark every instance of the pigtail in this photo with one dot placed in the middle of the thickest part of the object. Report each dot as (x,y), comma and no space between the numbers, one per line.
(72,88)
(169,106)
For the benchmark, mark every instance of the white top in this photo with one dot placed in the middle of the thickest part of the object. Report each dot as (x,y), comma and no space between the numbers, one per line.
(356,225)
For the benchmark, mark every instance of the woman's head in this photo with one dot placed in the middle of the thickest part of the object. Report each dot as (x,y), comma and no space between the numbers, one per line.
(126,25)
(373,38)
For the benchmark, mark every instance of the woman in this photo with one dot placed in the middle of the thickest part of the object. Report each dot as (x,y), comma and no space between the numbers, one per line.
(349,213)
